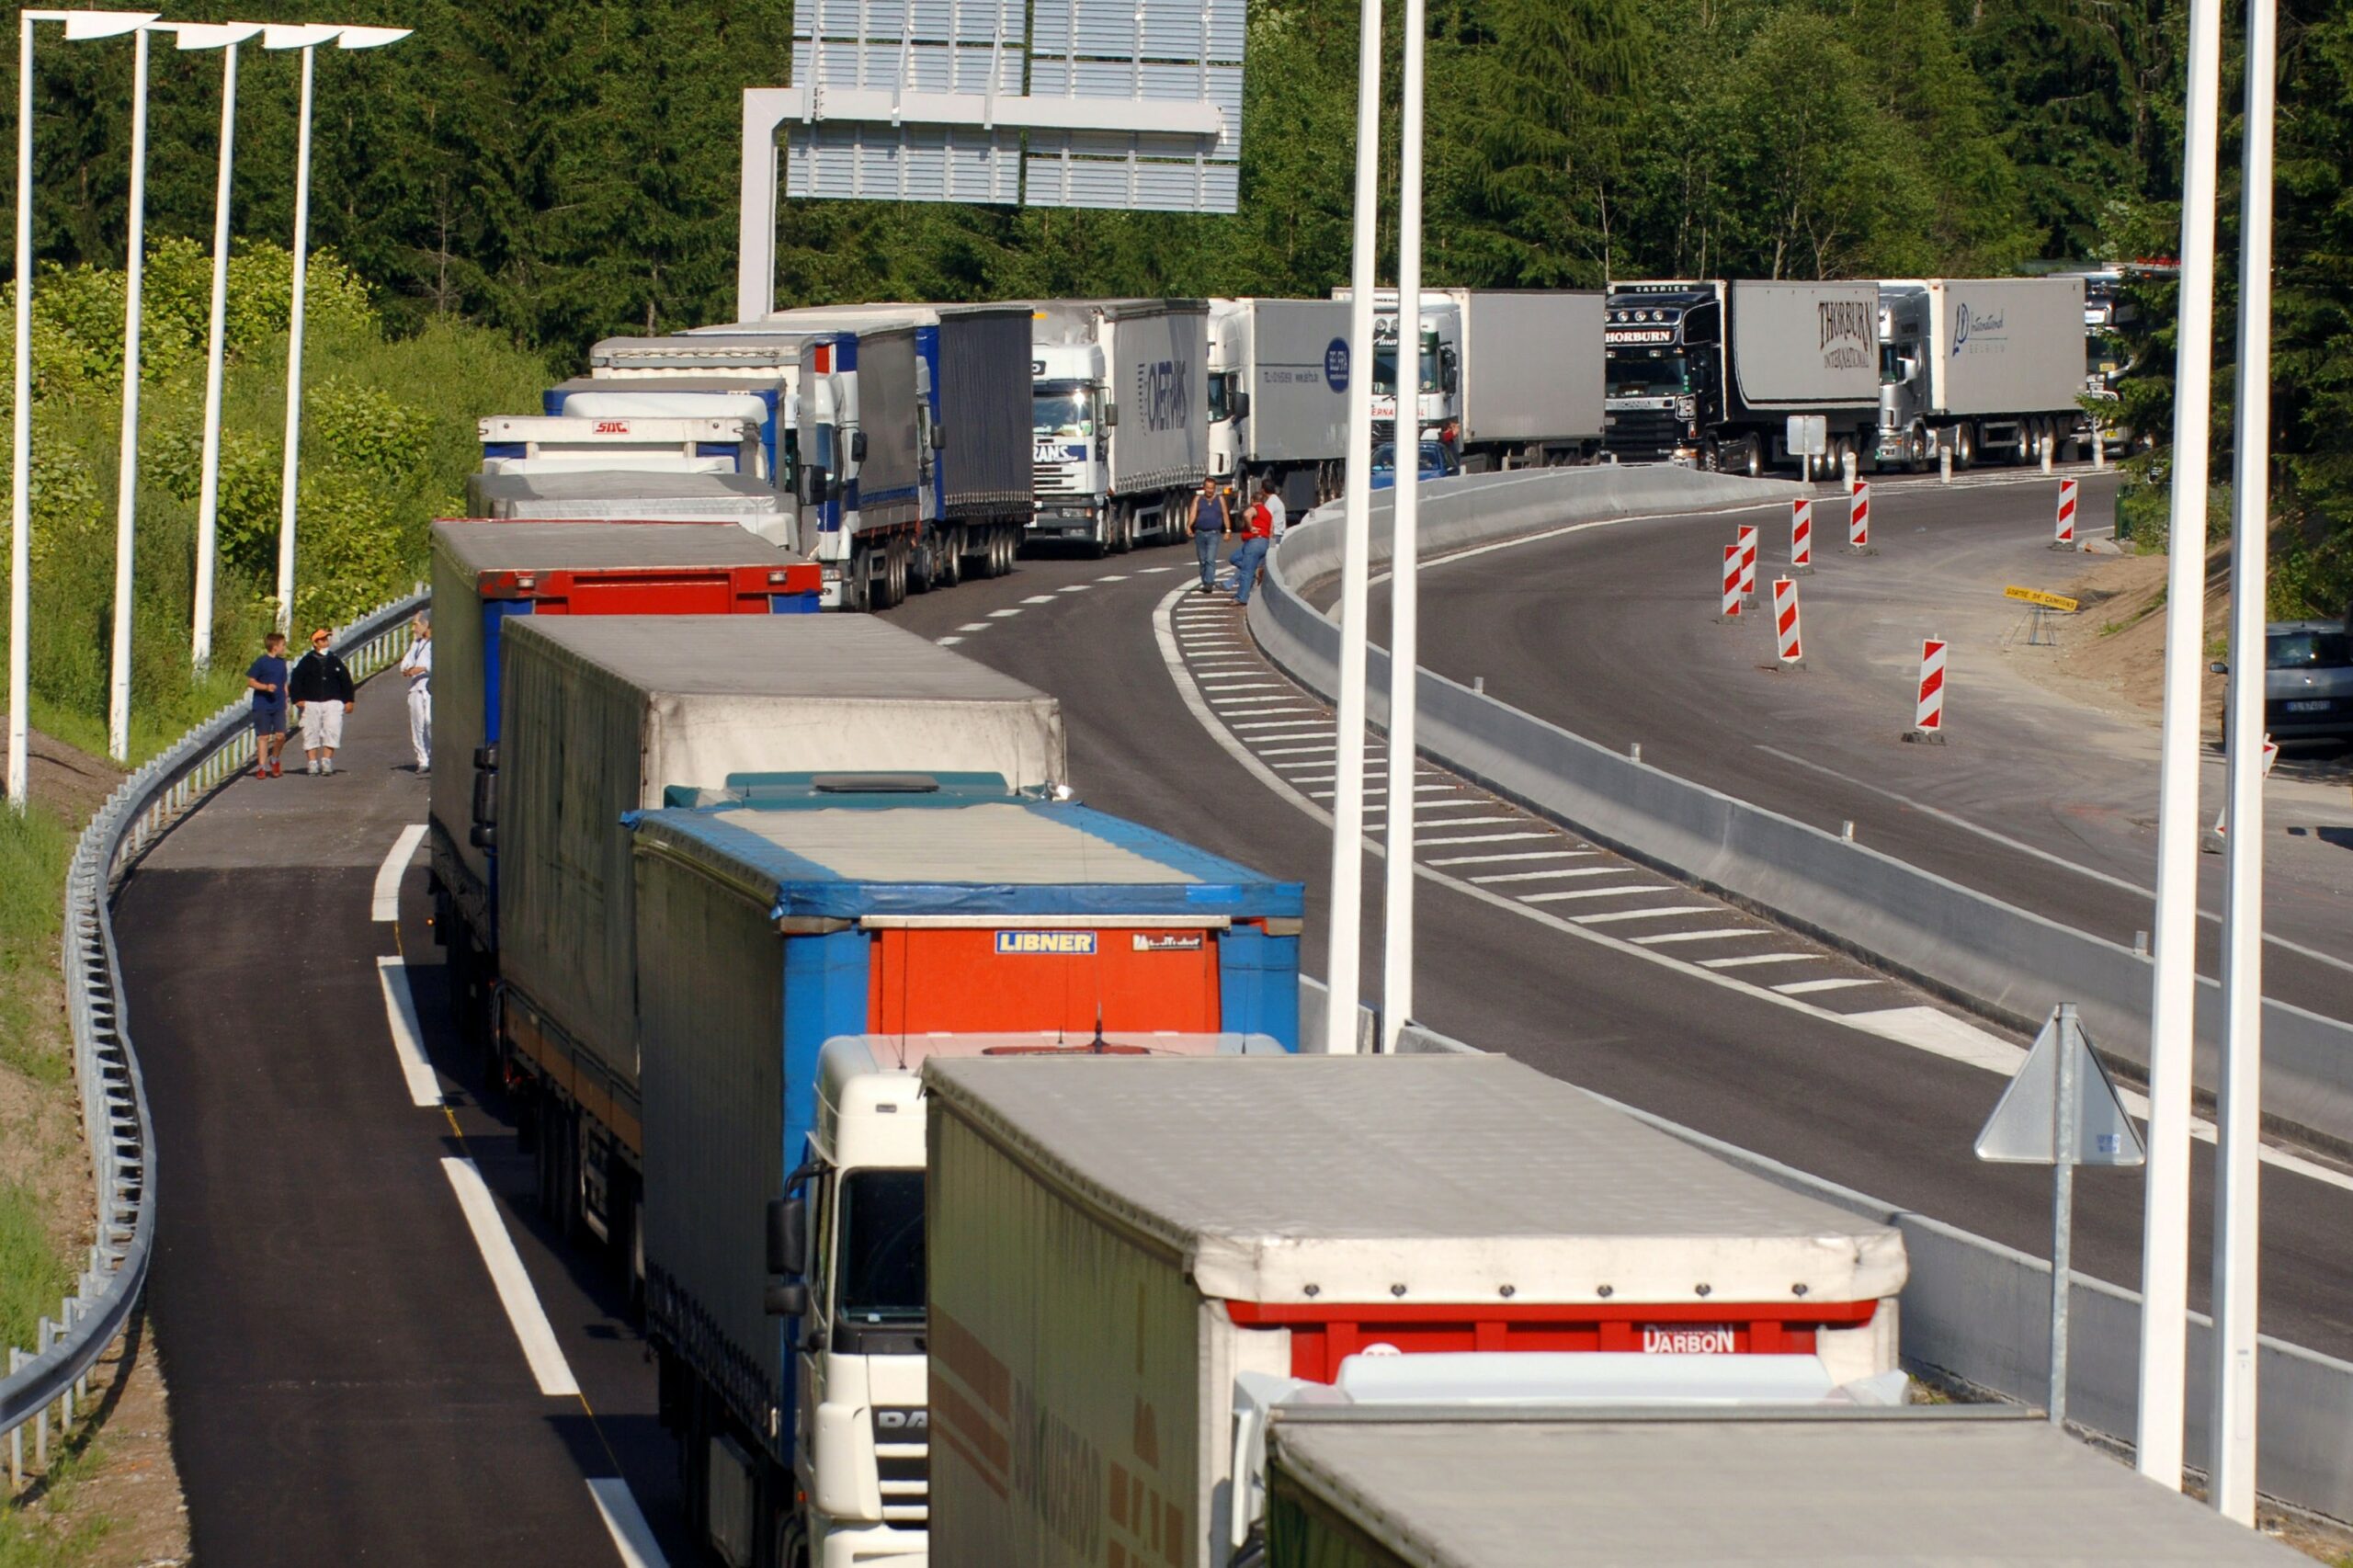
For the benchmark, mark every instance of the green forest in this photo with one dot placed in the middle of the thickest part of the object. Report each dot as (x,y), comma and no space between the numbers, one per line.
(522,176)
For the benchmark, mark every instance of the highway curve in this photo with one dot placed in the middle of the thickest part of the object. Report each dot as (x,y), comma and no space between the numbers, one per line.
(1613,632)
(1792,1084)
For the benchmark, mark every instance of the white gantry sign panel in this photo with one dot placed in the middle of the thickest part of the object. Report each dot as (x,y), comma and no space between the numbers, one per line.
(1171,52)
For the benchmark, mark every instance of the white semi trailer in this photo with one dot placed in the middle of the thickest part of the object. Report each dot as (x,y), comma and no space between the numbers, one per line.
(1984,366)
(1119,419)
(1278,395)
(1113,1251)
(1507,378)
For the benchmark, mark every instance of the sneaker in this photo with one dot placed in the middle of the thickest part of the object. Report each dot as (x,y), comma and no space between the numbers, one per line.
(276,769)
(327,767)
(261,772)
(312,769)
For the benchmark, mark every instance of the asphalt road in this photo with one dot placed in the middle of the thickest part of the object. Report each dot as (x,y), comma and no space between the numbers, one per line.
(1788,1082)
(346,1383)
(1613,633)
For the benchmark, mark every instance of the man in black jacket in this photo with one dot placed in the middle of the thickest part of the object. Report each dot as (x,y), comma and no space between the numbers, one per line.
(322,693)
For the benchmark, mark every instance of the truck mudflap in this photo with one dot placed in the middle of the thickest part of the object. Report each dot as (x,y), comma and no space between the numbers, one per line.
(1322,1335)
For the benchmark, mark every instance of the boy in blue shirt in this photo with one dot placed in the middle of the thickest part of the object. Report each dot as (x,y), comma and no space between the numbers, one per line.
(266,678)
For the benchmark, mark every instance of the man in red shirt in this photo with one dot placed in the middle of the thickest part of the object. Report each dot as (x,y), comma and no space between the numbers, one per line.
(1260,538)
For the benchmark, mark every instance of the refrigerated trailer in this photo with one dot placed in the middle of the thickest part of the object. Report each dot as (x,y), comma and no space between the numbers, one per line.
(799,910)
(766,403)
(1119,419)
(1508,377)
(1925,1486)
(1981,366)
(1712,373)
(522,443)
(1278,395)
(485,574)
(1110,1253)
(607,715)
(618,495)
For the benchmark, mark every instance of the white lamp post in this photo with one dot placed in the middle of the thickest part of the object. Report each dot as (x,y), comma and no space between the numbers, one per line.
(1404,565)
(79,26)
(224,37)
(307,37)
(1342,961)
(126,496)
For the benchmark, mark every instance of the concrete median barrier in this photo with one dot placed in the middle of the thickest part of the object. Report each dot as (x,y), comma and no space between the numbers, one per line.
(2005,962)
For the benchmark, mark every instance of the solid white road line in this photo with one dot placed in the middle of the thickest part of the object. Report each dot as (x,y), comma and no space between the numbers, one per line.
(1515,854)
(1480,838)
(1806,987)
(386,904)
(1644,914)
(505,1265)
(1745,959)
(1295,751)
(625,1521)
(1725,935)
(1477,821)
(408,1040)
(1551,875)
(1626,890)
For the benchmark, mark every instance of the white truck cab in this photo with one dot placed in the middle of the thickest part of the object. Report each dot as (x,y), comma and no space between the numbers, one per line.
(1068,440)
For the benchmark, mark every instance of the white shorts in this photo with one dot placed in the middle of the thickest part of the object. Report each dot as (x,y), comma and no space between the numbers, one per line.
(322,726)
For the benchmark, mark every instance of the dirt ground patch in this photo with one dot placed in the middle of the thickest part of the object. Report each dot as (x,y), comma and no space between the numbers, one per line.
(2112,653)
(109,1495)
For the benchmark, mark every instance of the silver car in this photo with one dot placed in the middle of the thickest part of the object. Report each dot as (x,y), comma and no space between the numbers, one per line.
(2307,680)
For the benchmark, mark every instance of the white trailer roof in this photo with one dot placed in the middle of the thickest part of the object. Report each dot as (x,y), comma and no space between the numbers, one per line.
(844,658)
(1414,1179)
(525,546)
(1884,1490)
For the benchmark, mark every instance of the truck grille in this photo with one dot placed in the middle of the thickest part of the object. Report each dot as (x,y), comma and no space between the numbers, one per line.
(1052,478)
(1644,433)
(906,1471)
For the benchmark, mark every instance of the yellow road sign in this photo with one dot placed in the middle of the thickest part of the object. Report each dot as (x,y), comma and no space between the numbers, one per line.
(2037,596)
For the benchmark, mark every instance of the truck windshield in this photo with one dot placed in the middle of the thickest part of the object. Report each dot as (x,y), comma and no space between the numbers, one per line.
(1061,415)
(1647,372)
(879,1277)
(1384,365)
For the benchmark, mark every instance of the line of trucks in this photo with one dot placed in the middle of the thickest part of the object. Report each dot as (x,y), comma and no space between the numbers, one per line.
(885,441)
(954,1141)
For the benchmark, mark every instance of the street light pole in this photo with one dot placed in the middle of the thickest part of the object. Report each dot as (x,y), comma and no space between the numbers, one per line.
(1342,958)
(306,38)
(2239,1109)
(1404,565)
(2164,1237)
(126,498)
(79,26)
(224,37)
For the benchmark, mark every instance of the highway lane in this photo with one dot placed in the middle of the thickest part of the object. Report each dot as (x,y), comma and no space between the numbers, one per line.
(1793,1084)
(1613,632)
(346,1383)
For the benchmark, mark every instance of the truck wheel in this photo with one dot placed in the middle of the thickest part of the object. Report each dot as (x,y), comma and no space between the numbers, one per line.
(895,562)
(1756,466)
(1123,531)
(858,578)
(950,560)
(1964,445)
(923,564)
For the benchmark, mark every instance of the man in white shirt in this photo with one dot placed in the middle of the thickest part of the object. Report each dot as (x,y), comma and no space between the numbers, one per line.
(416,668)
(1275,508)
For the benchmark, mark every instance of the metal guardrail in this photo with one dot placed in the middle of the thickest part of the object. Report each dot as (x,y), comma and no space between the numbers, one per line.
(52,1376)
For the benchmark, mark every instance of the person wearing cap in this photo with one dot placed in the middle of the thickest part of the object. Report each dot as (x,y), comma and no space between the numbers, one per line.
(323,692)
(416,668)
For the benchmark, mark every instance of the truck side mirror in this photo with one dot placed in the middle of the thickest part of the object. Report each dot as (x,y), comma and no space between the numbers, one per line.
(486,798)
(787,1234)
(1448,380)
(857,446)
(1240,404)
(788,1299)
(1110,420)
(2219,667)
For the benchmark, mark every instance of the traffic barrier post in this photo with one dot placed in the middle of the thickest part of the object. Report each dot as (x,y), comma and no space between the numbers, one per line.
(1944,463)
(1928,708)
(2222,818)
(1801,534)
(1747,542)
(2063,528)
(1785,621)
(1731,583)
(1859,516)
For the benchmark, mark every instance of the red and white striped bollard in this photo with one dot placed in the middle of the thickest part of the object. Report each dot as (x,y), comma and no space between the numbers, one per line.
(1928,712)
(1859,516)
(1747,546)
(1801,534)
(1785,621)
(2063,531)
(1732,581)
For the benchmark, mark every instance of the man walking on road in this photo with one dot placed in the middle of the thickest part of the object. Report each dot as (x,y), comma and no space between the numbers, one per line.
(416,668)
(1253,550)
(1211,522)
(265,678)
(324,693)
(1274,509)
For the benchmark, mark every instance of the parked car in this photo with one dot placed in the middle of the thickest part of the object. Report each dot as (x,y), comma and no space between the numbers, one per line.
(2307,681)
(1438,461)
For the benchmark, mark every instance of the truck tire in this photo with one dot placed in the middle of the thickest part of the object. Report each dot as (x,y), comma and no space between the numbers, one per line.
(858,581)
(1964,445)
(895,573)
(923,564)
(1754,465)
(1122,531)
